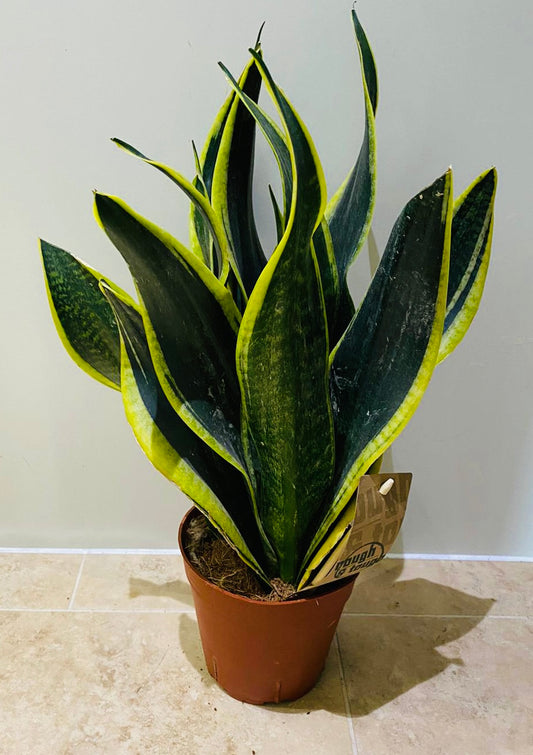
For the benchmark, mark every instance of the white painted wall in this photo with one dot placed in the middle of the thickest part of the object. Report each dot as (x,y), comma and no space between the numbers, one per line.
(455,83)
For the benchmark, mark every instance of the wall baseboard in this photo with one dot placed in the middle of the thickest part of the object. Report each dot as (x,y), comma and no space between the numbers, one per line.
(176,552)
(97,551)
(456,557)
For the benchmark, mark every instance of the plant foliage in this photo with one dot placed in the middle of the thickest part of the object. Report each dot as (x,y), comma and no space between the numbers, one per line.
(250,379)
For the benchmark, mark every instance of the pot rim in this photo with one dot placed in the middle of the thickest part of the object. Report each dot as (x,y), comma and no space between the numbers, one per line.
(333,586)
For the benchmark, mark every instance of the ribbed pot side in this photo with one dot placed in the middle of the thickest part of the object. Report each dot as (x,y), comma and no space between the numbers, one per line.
(264,652)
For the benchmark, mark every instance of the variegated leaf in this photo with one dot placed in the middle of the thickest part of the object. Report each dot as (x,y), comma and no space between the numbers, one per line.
(282,357)
(217,488)
(472,223)
(191,324)
(274,137)
(321,239)
(231,193)
(385,360)
(349,212)
(82,316)
(224,255)
(200,237)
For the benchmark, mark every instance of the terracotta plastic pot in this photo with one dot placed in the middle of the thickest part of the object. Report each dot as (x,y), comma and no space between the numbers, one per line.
(264,652)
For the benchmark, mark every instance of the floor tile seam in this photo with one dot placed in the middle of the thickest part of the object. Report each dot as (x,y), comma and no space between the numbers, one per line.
(68,610)
(494,617)
(345,696)
(76,584)
(189,611)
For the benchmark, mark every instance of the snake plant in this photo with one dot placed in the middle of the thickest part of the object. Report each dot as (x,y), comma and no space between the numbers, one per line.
(250,379)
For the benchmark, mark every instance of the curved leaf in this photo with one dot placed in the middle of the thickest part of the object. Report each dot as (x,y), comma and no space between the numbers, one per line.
(200,238)
(217,488)
(349,212)
(224,254)
(201,242)
(469,258)
(282,358)
(231,195)
(278,217)
(384,362)
(191,324)
(211,148)
(205,165)
(82,316)
(274,137)
(321,239)
(329,276)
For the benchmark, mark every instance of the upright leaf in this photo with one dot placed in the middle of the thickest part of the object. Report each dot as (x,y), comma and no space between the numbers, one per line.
(278,217)
(274,137)
(242,153)
(200,238)
(282,357)
(329,276)
(472,223)
(191,324)
(471,238)
(232,184)
(321,239)
(217,488)
(214,138)
(82,316)
(349,212)
(384,362)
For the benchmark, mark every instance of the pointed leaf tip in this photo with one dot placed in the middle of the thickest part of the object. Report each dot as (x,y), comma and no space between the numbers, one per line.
(471,237)
(258,40)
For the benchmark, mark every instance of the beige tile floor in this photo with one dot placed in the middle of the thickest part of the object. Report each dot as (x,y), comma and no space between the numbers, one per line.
(100,654)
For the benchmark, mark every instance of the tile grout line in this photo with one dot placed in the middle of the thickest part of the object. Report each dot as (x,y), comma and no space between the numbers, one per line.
(436,616)
(190,611)
(133,611)
(347,708)
(76,584)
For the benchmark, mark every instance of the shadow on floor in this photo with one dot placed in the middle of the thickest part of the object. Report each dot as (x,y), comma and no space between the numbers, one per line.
(383,654)
(177,589)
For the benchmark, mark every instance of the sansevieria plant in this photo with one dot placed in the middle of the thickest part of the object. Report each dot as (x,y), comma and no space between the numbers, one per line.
(251,380)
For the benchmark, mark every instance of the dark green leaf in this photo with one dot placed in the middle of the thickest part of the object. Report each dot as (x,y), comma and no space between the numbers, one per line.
(350,211)
(322,240)
(274,137)
(278,217)
(469,258)
(233,182)
(379,360)
(215,486)
(328,272)
(83,317)
(191,323)
(384,362)
(282,356)
(201,238)
(196,195)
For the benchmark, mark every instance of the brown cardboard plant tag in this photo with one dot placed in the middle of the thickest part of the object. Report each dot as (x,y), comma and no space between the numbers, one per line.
(379,511)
